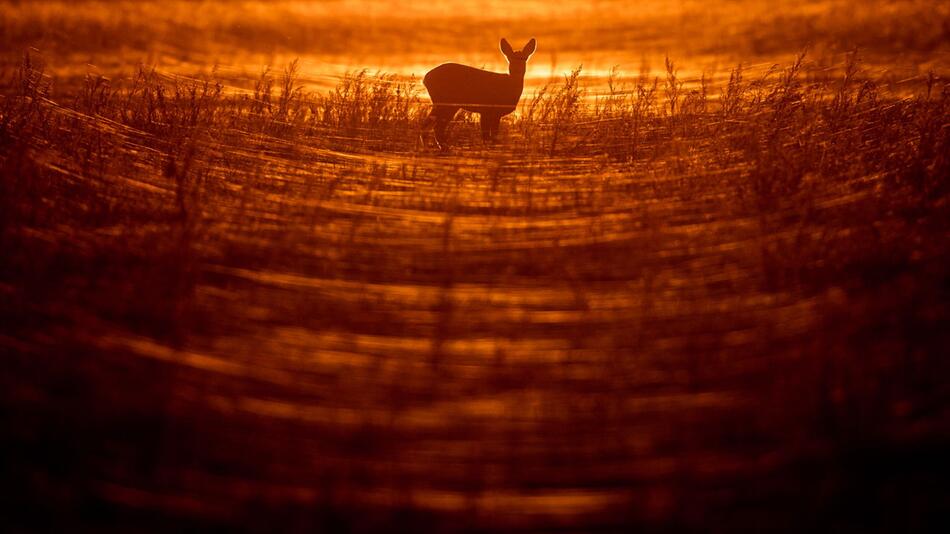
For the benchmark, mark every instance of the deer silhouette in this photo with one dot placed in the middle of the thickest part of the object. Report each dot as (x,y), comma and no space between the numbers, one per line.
(492,95)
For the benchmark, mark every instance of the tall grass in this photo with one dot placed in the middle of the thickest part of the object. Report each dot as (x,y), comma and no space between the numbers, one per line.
(662,292)
(782,142)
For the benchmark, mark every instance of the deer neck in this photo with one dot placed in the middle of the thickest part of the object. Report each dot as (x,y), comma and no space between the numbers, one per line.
(516,75)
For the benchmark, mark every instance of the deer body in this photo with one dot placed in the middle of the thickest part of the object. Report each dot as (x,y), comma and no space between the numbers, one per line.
(490,94)
(474,90)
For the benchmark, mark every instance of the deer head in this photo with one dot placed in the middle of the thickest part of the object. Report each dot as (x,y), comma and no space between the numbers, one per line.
(517,61)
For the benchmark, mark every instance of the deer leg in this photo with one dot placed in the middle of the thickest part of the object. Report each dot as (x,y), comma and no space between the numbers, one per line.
(427,123)
(490,126)
(443,115)
(493,130)
(440,127)
(486,121)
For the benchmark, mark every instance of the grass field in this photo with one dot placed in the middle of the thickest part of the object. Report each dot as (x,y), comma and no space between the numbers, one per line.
(700,283)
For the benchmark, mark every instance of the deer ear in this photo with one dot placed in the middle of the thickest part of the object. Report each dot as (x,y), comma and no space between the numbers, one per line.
(506,48)
(530,47)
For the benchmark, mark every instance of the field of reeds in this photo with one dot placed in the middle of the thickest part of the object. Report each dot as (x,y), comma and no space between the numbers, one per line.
(661,302)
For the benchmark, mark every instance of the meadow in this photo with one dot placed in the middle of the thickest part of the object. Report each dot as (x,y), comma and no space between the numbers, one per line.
(699,284)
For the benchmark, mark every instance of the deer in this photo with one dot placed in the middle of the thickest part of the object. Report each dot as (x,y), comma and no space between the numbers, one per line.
(492,95)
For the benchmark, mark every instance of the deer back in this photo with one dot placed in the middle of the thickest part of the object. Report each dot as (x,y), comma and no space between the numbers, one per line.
(473,89)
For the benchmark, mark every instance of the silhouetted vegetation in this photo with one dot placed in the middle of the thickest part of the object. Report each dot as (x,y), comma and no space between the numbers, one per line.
(660,303)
